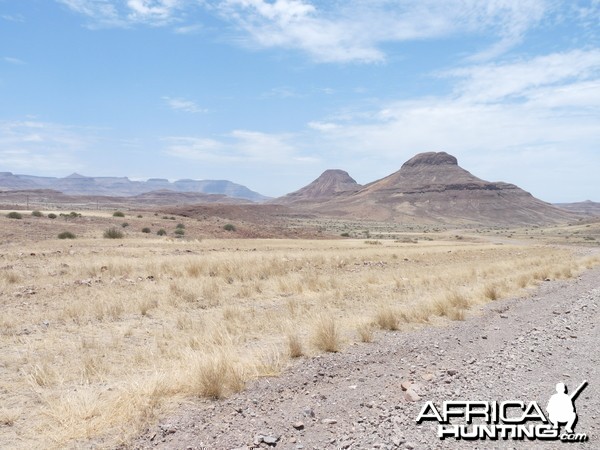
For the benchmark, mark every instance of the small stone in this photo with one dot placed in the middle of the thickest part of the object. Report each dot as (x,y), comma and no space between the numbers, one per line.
(270,440)
(411,396)
(308,412)
(405,385)
(452,372)
(329,421)
(298,425)
(427,376)
(410,445)
(503,316)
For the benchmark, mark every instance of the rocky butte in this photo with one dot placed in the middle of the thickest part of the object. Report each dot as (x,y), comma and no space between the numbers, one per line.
(429,188)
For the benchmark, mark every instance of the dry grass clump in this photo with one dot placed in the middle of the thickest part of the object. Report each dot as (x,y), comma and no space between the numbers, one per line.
(388,318)
(294,344)
(217,374)
(365,332)
(326,335)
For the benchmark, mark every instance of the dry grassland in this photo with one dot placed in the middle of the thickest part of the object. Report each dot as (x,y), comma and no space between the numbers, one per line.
(97,337)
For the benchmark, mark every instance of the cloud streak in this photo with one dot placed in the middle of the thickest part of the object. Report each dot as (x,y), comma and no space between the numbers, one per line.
(181,104)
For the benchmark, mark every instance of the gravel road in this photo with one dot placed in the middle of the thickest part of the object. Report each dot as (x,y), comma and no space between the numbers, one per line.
(516,349)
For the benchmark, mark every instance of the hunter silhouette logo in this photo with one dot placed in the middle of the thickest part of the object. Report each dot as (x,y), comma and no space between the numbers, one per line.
(512,419)
(561,408)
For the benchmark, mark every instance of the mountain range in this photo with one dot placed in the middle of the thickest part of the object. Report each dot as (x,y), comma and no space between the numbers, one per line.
(430,187)
(76,184)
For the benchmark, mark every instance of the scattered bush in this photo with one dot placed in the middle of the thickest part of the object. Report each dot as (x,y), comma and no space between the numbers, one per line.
(14,215)
(51,216)
(71,215)
(118,214)
(37,213)
(165,217)
(171,218)
(373,242)
(180,226)
(147,230)
(66,235)
(229,227)
(139,216)
(113,233)
(294,346)
(345,235)
(179,232)
(124,224)
(161,232)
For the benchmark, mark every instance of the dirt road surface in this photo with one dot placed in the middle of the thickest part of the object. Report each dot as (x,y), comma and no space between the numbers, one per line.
(515,349)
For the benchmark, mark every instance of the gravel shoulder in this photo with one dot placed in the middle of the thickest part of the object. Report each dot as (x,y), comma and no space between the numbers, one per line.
(514,349)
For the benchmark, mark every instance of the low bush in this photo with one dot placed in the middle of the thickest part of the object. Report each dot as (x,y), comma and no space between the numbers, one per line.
(124,224)
(66,235)
(37,213)
(161,232)
(146,230)
(229,227)
(51,216)
(118,214)
(113,233)
(14,215)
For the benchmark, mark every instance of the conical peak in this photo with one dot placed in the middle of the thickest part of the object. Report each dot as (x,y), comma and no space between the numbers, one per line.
(338,174)
(431,159)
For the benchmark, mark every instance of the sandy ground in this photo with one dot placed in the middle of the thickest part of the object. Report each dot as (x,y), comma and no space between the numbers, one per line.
(516,349)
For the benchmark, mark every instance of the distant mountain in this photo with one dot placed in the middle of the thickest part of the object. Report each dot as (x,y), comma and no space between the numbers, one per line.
(76,184)
(432,187)
(588,208)
(331,183)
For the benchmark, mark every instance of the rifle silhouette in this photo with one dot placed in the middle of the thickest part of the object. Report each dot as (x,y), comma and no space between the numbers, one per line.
(578,390)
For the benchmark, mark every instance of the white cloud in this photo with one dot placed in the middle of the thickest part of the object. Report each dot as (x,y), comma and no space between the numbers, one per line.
(15,61)
(40,146)
(354,31)
(181,104)
(238,146)
(499,81)
(122,13)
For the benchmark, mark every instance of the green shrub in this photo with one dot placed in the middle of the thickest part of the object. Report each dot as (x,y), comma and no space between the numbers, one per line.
(51,216)
(74,214)
(146,230)
(345,235)
(37,213)
(118,214)
(139,216)
(161,232)
(66,235)
(229,227)
(179,232)
(14,215)
(113,233)
(180,225)
(124,224)
(172,218)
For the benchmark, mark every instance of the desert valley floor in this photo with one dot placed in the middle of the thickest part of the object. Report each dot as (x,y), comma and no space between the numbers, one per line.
(202,338)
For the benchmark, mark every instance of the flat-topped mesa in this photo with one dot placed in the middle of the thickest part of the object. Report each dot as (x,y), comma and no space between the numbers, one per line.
(431,159)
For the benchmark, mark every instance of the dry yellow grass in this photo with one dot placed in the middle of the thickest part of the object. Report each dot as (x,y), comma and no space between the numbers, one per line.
(98,337)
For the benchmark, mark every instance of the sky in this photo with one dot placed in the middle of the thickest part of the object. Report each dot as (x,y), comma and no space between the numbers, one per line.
(270,93)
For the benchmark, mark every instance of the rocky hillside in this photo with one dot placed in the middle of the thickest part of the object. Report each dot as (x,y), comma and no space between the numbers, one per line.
(588,208)
(330,184)
(432,187)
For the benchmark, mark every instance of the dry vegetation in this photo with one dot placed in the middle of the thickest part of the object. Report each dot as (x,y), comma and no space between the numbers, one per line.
(99,336)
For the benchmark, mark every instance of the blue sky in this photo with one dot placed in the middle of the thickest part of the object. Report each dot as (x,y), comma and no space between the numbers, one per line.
(271,93)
